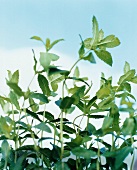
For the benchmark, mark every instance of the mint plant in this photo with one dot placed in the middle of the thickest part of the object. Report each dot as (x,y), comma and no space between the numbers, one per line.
(34,137)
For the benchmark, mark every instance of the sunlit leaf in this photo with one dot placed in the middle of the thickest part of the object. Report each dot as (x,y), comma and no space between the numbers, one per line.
(127,77)
(104,56)
(16,88)
(126,67)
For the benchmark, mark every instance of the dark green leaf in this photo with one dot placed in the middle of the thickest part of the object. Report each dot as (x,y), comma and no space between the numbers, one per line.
(44,85)
(34,115)
(67,102)
(54,70)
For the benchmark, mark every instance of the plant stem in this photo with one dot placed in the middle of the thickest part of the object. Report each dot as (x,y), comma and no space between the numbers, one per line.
(98,166)
(75,64)
(132,163)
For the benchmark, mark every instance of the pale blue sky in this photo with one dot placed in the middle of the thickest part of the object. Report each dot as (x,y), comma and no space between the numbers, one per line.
(21,19)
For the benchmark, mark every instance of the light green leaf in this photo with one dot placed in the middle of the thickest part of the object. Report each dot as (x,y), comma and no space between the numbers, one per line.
(103,92)
(90,58)
(36,38)
(46,58)
(44,85)
(39,96)
(35,62)
(76,72)
(82,152)
(128,126)
(87,43)
(109,41)
(127,77)
(42,126)
(95,30)
(134,80)
(104,56)
(81,51)
(101,35)
(126,67)
(47,44)
(14,99)
(55,42)
(15,77)
(34,106)
(4,127)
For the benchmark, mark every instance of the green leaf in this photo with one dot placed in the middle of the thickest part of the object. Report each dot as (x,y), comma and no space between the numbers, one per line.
(44,85)
(61,165)
(67,102)
(5,129)
(134,80)
(107,122)
(16,88)
(32,114)
(47,115)
(15,77)
(87,43)
(121,155)
(34,106)
(81,51)
(90,58)
(95,31)
(103,92)
(104,56)
(128,126)
(68,129)
(47,44)
(109,41)
(101,35)
(55,42)
(42,126)
(126,67)
(5,149)
(46,58)
(82,152)
(40,97)
(127,77)
(55,70)
(35,62)
(36,38)
(20,162)
(76,72)
(14,100)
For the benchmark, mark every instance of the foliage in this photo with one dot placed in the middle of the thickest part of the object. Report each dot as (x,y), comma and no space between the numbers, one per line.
(34,138)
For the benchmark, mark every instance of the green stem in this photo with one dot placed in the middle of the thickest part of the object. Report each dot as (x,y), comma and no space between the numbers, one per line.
(75,64)
(132,163)
(98,164)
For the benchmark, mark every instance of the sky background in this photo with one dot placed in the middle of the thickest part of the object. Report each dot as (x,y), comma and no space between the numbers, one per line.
(20,20)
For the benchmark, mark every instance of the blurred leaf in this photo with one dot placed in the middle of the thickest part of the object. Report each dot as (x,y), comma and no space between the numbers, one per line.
(34,106)
(107,122)
(61,165)
(109,41)
(44,85)
(81,51)
(40,97)
(96,116)
(104,56)
(128,126)
(76,72)
(82,152)
(46,58)
(67,102)
(54,70)
(5,149)
(14,100)
(36,38)
(42,126)
(95,31)
(87,43)
(47,44)
(35,63)
(101,35)
(55,42)
(15,77)
(90,58)
(68,129)
(127,77)
(47,115)
(16,88)
(20,162)
(126,67)
(34,115)
(134,80)
(103,92)
(4,127)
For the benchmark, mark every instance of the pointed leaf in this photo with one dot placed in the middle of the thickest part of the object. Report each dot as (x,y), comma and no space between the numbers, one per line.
(55,42)
(36,38)
(66,102)
(126,67)
(127,77)
(14,100)
(16,88)
(44,85)
(104,56)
